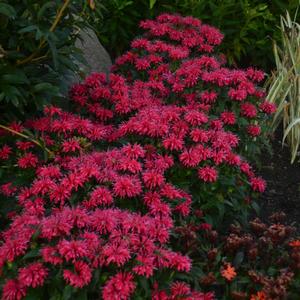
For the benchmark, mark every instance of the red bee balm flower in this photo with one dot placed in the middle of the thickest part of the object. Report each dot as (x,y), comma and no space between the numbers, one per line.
(228,118)
(81,277)
(121,286)
(267,107)
(248,110)
(13,290)
(33,275)
(258,184)
(5,151)
(208,174)
(29,160)
(254,130)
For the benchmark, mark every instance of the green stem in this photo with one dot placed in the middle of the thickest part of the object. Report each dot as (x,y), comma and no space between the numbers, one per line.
(26,137)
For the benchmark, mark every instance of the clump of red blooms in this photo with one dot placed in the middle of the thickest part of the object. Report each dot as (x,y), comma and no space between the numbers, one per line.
(70,212)
(97,204)
(170,88)
(187,132)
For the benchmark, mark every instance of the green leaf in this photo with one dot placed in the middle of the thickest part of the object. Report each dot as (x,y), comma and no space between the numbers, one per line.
(68,291)
(16,78)
(28,29)
(68,62)
(44,7)
(122,5)
(31,254)
(40,87)
(53,52)
(82,295)
(56,296)
(152,3)
(7,10)
(144,283)
(34,294)
(2,96)
(255,207)
(272,271)
(10,91)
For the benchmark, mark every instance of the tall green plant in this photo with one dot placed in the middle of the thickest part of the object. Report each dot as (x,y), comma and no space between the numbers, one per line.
(284,85)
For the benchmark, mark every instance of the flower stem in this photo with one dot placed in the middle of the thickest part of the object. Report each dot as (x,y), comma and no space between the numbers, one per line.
(26,137)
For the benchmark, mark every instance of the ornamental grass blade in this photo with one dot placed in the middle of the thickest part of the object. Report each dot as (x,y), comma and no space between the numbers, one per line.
(284,85)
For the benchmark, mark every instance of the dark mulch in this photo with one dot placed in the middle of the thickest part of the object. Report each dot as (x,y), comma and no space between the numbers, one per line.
(283,182)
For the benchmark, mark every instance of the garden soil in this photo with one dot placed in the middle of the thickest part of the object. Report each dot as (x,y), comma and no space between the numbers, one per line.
(283,182)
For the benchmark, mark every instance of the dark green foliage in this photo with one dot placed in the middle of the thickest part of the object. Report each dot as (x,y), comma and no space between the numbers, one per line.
(36,50)
(249,26)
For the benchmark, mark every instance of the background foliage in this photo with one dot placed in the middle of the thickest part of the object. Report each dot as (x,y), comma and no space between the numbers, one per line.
(249,26)
(37,38)
(36,49)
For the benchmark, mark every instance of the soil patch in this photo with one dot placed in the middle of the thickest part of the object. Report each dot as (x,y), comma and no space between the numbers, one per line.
(283,182)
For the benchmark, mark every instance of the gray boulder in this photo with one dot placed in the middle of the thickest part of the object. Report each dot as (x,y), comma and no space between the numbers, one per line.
(97,59)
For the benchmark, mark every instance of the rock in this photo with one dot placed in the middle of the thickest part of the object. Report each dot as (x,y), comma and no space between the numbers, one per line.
(96,59)
(94,53)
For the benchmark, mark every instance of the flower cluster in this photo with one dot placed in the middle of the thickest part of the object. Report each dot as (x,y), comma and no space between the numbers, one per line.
(197,75)
(150,73)
(170,91)
(59,133)
(72,215)
(111,184)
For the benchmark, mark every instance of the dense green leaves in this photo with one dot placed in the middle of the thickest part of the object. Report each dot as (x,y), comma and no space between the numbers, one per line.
(36,50)
(7,10)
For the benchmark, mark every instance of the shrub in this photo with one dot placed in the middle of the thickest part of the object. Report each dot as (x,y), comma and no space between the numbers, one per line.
(28,146)
(90,210)
(112,183)
(171,91)
(36,50)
